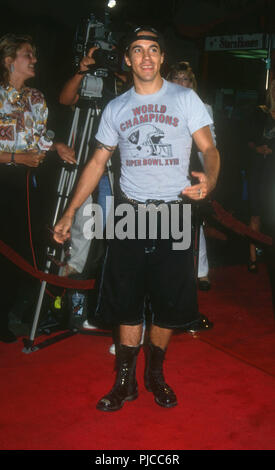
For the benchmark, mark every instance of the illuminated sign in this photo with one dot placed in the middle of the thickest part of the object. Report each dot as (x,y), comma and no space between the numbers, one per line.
(237,41)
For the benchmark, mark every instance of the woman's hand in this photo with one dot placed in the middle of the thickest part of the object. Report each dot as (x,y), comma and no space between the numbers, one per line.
(31,159)
(66,153)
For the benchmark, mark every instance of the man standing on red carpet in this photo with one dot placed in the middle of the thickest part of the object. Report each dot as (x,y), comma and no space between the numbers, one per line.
(153,123)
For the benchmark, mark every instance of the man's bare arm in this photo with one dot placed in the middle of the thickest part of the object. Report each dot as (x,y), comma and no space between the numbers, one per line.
(87,183)
(208,178)
(69,94)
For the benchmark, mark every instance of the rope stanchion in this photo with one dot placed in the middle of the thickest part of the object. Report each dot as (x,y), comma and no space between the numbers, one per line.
(60,281)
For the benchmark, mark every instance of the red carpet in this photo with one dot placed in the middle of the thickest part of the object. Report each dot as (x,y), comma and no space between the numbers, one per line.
(224,379)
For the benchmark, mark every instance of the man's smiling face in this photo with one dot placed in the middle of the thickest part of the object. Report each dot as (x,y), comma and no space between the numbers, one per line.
(145,58)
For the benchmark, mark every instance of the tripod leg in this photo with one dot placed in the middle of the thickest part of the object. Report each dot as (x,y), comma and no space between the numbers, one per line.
(63,180)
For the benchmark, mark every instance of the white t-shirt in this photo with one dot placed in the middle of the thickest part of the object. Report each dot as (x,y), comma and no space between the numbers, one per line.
(154,134)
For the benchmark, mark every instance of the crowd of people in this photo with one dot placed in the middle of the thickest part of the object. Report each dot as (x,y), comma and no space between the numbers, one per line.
(152,119)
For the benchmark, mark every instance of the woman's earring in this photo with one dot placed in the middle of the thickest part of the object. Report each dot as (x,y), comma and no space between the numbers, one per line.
(11,68)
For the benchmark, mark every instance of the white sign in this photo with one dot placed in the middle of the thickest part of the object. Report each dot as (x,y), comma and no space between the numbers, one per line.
(237,41)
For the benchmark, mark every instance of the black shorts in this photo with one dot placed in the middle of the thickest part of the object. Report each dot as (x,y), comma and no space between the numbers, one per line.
(138,269)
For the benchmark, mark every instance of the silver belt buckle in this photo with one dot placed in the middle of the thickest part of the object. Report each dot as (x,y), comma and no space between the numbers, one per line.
(156,202)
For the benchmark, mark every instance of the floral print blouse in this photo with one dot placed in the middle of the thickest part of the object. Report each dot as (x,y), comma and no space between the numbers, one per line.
(23,119)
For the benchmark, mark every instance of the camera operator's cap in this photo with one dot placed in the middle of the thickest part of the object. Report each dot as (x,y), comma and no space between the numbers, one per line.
(134,36)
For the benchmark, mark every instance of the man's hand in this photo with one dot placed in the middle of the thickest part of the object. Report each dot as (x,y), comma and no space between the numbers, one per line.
(87,60)
(62,229)
(200,190)
(66,153)
(69,95)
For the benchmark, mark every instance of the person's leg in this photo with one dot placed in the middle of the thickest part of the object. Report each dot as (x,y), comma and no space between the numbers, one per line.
(14,232)
(173,303)
(130,335)
(125,387)
(203,267)
(254,225)
(160,336)
(80,241)
(154,380)
(122,299)
(257,198)
(104,190)
(7,295)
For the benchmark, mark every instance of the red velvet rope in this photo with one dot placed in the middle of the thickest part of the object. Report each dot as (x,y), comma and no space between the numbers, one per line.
(227,219)
(60,281)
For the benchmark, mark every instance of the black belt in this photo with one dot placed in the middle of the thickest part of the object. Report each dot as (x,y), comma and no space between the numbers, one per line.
(155,202)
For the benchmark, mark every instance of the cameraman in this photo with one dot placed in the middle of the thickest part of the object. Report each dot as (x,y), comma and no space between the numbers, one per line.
(70,94)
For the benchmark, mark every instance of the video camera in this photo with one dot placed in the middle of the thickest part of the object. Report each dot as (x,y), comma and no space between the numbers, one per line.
(91,32)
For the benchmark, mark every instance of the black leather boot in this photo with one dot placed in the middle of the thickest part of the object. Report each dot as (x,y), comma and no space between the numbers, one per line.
(154,379)
(125,387)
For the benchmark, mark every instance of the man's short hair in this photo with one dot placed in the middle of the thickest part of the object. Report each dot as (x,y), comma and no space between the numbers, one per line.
(133,36)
